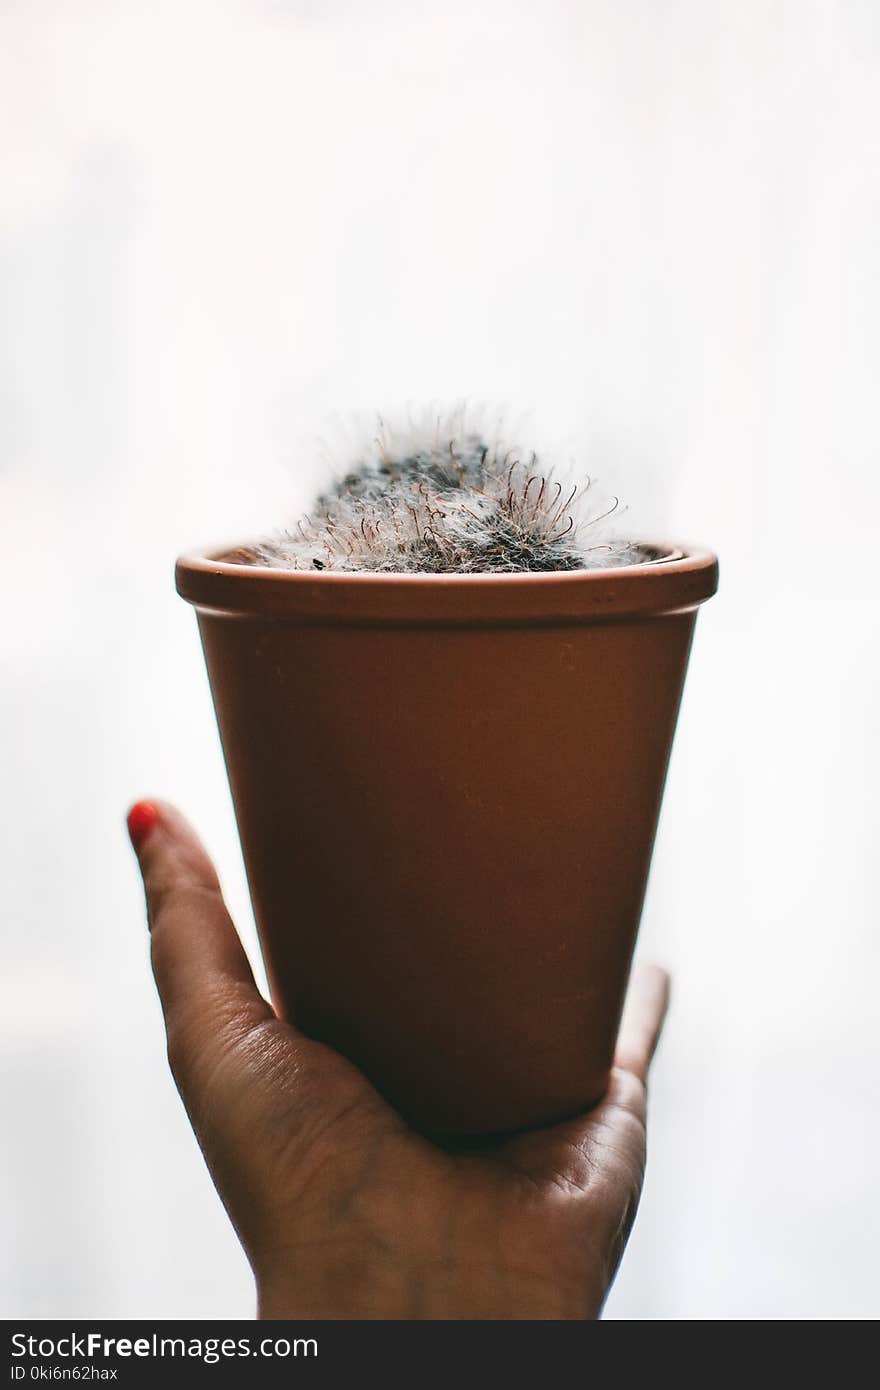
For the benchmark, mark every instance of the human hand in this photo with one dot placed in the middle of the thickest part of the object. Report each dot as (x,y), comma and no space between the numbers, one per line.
(343,1211)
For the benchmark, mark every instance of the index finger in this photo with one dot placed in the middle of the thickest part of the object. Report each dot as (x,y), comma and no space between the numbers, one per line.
(645,1009)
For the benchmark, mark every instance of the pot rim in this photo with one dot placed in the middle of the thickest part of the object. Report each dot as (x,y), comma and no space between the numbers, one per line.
(682,577)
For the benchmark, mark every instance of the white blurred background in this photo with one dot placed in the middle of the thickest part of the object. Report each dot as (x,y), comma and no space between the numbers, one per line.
(654,222)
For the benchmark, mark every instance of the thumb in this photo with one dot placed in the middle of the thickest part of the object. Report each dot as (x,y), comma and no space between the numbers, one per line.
(207,990)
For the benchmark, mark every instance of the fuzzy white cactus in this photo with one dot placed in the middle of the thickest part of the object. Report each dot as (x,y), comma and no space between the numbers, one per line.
(444,500)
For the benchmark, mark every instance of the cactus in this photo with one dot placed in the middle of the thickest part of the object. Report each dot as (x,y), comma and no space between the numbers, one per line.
(444,500)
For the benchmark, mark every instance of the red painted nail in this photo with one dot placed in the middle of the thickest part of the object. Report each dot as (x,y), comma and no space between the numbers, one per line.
(141,819)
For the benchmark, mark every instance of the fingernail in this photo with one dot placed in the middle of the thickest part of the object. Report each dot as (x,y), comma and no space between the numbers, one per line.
(141,819)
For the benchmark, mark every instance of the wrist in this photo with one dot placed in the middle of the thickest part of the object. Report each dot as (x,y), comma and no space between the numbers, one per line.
(353,1286)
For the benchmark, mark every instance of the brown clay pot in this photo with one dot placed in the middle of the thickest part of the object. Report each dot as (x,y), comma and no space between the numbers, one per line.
(447,788)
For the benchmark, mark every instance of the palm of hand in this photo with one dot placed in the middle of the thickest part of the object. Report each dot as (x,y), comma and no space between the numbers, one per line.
(342,1209)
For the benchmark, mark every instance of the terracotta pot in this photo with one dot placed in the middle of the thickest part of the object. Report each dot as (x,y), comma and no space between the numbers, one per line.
(447,788)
